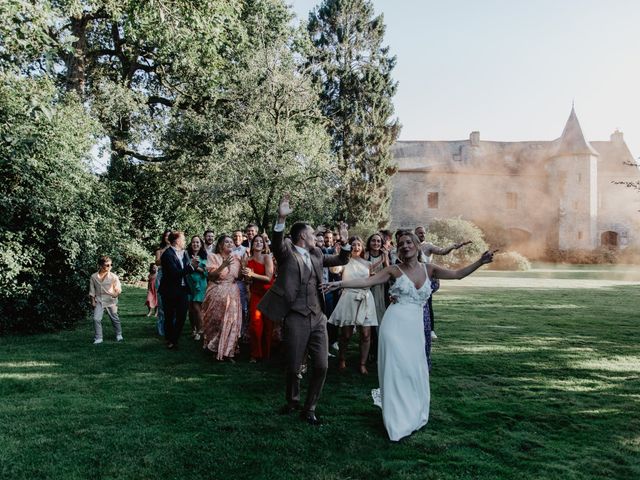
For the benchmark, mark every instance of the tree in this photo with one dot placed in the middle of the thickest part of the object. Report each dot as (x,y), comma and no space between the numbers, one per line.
(55,218)
(276,141)
(354,72)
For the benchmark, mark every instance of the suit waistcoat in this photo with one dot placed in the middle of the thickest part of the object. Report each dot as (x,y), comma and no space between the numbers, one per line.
(307,300)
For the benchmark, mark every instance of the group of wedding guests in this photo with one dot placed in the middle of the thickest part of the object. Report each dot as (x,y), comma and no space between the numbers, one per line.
(234,288)
(219,282)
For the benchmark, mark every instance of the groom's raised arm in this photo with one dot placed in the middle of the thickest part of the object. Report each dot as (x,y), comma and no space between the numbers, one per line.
(278,245)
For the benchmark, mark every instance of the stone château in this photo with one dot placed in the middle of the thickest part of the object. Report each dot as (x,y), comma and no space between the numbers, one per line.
(556,194)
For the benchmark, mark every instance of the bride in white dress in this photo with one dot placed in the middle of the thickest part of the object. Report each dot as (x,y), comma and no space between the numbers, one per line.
(402,364)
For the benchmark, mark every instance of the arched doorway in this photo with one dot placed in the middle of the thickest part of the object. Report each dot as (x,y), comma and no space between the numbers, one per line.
(609,239)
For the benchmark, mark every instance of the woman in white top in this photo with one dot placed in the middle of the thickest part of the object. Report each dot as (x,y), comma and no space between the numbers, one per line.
(356,307)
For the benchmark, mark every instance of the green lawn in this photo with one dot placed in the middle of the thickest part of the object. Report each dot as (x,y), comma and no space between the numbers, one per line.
(527,383)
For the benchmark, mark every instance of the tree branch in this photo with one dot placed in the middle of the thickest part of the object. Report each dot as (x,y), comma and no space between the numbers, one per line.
(154,100)
(146,158)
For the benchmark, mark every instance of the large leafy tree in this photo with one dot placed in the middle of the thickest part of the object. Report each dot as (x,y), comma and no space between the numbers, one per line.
(277,141)
(54,214)
(354,70)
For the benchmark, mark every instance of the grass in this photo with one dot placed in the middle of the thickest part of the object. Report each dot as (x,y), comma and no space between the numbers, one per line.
(527,383)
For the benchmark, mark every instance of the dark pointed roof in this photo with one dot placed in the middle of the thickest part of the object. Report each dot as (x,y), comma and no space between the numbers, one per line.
(572,141)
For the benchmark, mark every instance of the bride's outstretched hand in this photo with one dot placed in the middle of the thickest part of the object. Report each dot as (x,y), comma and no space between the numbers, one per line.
(487,257)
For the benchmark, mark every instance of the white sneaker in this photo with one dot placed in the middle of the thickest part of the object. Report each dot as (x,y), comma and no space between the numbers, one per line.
(335,346)
(97,341)
(119,338)
(433,335)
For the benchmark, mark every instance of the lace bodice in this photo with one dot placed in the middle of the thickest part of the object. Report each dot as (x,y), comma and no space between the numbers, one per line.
(404,291)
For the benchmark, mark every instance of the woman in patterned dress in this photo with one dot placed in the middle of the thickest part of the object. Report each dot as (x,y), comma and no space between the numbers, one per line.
(221,309)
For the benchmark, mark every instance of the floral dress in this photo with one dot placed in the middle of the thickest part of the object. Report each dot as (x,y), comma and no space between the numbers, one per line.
(222,310)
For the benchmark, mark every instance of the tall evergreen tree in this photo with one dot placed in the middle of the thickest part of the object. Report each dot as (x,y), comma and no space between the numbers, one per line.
(354,69)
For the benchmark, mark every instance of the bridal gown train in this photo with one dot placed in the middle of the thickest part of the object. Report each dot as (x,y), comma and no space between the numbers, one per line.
(402,364)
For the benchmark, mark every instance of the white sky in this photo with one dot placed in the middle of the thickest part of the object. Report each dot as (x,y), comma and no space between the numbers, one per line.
(511,68)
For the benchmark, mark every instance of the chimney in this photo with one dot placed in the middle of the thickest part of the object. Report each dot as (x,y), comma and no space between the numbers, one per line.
(474,138)
(617,137)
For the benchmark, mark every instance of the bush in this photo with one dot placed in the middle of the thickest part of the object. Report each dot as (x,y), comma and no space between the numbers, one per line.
(53,211)
(510,261)
(601,255)
(444,232)
(580,256)
(130,259)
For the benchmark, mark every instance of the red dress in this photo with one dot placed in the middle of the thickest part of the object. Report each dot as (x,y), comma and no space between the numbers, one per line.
(260,327)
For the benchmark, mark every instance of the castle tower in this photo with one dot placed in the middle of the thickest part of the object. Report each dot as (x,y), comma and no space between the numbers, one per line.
(573,171)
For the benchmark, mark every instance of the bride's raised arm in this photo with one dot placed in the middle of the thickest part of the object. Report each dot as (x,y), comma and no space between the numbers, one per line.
(444,274)
(382,276)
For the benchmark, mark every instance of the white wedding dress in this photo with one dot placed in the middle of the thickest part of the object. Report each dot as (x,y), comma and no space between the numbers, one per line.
(402,363)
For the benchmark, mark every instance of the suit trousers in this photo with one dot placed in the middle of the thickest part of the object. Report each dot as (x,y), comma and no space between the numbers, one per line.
(305,333)
(175,306)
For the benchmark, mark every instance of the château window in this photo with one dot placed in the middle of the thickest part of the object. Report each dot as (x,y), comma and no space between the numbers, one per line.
(432,199)
(579,235)
(512,200)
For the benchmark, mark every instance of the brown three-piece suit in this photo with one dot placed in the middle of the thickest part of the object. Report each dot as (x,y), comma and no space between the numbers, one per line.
(296,299)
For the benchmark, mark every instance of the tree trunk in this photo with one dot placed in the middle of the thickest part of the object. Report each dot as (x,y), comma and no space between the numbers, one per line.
(76,61)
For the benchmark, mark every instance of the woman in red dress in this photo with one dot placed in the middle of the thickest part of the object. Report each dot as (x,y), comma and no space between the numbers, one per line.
(259,271)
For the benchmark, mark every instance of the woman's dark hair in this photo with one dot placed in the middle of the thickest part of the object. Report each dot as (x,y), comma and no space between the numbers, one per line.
(220,242)
(153,268)
(265,242)
(202,252)
(163,242)
(368,246)
(356,238)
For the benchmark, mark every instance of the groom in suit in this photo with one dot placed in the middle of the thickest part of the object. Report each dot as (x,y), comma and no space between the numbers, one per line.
(176,265)
(295,298)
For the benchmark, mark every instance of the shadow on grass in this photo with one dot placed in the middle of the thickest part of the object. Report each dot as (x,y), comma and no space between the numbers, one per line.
(518,390)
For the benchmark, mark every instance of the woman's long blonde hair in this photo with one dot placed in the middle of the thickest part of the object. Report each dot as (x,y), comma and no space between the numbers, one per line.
(416,243)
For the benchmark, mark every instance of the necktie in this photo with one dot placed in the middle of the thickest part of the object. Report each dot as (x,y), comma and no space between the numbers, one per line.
(307,260)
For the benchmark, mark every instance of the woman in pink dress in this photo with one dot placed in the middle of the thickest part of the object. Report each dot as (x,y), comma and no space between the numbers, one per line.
(221,309)
(152,294)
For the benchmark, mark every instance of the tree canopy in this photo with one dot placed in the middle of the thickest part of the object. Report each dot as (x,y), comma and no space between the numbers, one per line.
(120,119)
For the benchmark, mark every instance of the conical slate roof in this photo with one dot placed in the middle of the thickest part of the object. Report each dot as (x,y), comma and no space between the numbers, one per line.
(572,141)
